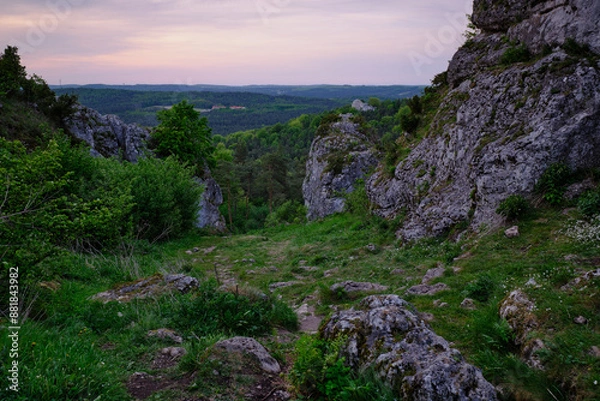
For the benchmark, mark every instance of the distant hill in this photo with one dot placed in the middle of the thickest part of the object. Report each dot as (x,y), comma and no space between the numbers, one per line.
(340,92)
(228,110)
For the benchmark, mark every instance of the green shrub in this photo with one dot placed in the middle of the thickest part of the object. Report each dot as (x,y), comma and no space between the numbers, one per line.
(513,207)
(515,54)
(289,212)
(589,203)
(320,373)
(481,289)
(553,182)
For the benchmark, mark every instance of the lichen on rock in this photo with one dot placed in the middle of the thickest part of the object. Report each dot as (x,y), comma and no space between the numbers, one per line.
(385,332)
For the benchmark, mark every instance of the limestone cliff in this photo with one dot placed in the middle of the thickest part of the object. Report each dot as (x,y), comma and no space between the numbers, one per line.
(108,135)
(339,156)
(523,94)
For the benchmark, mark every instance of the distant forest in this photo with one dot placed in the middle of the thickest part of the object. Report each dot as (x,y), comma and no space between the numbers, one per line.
(261,106)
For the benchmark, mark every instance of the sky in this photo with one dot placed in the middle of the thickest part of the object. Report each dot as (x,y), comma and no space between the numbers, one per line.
(235,42)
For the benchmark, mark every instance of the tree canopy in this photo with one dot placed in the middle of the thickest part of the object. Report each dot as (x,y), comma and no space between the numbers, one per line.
(183,134)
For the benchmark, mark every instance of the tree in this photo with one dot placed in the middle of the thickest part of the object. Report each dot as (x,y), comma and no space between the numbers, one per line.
(12,73)
(183,134)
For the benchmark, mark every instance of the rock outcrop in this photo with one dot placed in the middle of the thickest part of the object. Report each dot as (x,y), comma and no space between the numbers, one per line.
(209,215)
(108,135)
(522,95)
(387,334)
(337,159)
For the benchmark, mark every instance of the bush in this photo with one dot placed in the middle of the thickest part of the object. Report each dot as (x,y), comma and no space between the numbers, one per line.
(482,288)
(290,212)
(513,207)
(589,203)
(320,373)
(553,182)
(515,54)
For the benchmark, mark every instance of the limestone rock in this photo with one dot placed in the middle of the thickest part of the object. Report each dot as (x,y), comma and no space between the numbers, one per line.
(432,274)
(498,129)
(468,304)
(152,286)
(512,232)
(361,106)
(108,135)
(386,333)
(165,334)
(582,280)
(353,286)
(209,215)
(251,347)
(517,309)
(426,289)
(335,162)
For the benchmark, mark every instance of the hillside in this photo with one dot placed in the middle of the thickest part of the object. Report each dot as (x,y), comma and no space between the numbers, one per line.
(441,247)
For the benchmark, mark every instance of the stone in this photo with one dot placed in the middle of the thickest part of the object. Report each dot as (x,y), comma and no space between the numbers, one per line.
(594,351)
(282,284)
(338,158)
(372,248)
(253,348)
(209,216)
(498,130)
(152,286)
(108,135)
(426,289)
(174,352)
(512,232)
(361,106)
(386,333)
(397,272)
(581,280)
(580,320)
(353,286)
(517,309)
(577,189)
(166,334)
(432,274)
(468,304)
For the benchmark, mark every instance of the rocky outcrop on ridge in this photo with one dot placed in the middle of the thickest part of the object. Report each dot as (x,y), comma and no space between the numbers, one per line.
(108,135)
(337,159)
(209,215)
(386,333)
(522,95)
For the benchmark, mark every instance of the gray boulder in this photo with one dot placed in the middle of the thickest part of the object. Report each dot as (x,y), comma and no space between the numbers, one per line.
(335,162)
(250,347)
(386,333)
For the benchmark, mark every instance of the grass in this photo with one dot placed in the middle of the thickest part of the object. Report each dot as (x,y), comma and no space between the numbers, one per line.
(106,343)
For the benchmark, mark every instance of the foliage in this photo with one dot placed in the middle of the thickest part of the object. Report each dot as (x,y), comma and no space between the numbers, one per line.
(211,311)
(515,54)
(589,203)
(289,212)
(481,289)
(320,373)
(15,85)
(513,207)
(60,197)
(553,182)
(183,134)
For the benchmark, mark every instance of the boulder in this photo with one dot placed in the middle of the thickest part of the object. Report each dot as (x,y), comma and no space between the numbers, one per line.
(386,333)
(148,287)
(209,215)
(353,286)
(250,347)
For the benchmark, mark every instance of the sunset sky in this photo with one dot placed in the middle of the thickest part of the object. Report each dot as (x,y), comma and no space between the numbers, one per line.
(235,42)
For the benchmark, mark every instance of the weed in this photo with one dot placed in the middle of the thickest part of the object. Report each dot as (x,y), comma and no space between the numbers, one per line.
(513,207)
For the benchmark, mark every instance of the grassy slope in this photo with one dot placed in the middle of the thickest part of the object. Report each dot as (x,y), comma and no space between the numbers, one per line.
(109,349)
